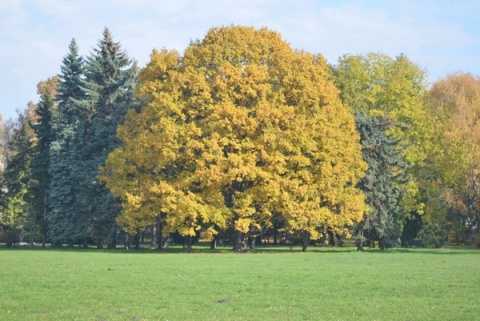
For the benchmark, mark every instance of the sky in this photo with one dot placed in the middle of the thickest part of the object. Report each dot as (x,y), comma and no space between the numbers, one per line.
(440,36)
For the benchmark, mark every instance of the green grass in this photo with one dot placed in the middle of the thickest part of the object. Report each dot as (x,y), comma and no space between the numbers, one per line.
(271,284)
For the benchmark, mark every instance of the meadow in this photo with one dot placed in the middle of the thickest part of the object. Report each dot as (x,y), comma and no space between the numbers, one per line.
(267,284)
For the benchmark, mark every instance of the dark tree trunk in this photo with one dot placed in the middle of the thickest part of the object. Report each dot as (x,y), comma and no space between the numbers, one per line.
(164,242)
(113,241)
(240,245)
(253,239)
(153,244)
(44,222)
(128,241)
(33,230)
(306,239)
(213,243)
(470,235)
(187,245)
(360,241)
(136,240)
(44,239)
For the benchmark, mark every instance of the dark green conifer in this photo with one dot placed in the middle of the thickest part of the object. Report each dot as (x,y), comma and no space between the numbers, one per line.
(108,89)
(66,151)
(41,164)
(382,182)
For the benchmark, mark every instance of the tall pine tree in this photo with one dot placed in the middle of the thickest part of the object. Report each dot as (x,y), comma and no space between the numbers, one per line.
(108,89)
(65,152)
(41,163)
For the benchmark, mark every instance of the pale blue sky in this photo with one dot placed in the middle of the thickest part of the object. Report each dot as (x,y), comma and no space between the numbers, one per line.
(440,36)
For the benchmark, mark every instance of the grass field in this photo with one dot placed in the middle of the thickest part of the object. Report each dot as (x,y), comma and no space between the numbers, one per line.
(270,284)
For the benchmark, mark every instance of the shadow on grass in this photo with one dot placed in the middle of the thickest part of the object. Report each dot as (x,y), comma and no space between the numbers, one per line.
(264,249)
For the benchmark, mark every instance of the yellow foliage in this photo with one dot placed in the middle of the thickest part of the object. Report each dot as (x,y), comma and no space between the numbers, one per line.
(240,127)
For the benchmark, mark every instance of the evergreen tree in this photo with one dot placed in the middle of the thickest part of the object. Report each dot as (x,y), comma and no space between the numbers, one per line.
(381,184)
(65,152)
(41,163)
(108,90)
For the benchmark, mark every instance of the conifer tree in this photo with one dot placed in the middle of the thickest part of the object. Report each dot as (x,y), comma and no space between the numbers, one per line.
(108,94)
(382,182)
(41,163)
(65,161)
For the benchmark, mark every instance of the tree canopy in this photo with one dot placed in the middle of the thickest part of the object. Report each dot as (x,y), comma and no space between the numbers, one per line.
(238,129)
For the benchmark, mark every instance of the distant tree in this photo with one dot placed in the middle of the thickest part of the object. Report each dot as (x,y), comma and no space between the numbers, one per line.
(456,99)
(239,128)
(42,126)
(382,183)
(15,197)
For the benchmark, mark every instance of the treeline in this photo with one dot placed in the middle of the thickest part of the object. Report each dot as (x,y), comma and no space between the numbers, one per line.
(241,138)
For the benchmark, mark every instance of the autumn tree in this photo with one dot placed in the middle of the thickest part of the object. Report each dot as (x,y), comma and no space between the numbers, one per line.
(457,101)
(238,130)
(15,195)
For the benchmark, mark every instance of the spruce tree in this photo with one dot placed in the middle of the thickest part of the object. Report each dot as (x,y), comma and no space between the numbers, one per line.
(41,163)
(382,182)
(108,90)
(66,150)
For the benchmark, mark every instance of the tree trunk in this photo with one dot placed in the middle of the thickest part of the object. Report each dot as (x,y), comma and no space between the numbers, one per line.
(360,241)
(187,245)
(213,243)
(253,239)
(153,244)
(33,230)
(136,240)
(470,235)
(306,239)
(240,245)
(164,242)
(44,222)
(128,241)
(113,241)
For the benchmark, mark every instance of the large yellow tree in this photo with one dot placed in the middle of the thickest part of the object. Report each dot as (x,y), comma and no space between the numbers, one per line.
(239,129)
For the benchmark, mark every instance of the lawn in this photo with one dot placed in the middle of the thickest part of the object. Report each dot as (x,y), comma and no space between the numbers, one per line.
(322,284)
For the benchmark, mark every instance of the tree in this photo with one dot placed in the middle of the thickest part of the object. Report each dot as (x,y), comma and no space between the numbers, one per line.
(108,91)
(15,198)
(378,85)
(65,152)
(42,126)
(382,182)
(239,128)
(456,99)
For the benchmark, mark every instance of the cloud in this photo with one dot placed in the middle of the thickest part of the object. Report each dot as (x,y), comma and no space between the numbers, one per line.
(440,36)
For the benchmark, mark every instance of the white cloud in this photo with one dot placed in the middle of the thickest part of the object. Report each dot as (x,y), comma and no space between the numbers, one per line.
(440,36)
